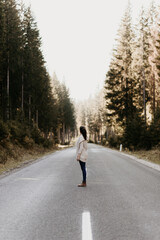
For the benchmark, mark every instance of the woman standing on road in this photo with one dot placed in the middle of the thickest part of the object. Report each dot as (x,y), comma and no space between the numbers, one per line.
(81,153)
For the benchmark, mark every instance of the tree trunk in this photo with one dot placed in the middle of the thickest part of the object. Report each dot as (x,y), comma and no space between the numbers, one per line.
(144,95)
(154,95)
(37,118)
(8,107)
(29,108)
(22,103)
(59,135)
(63,134)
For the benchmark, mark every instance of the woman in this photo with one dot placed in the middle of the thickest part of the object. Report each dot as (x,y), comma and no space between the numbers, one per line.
(81,153)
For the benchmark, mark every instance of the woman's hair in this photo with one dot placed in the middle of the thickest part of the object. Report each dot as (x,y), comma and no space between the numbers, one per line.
(83,132)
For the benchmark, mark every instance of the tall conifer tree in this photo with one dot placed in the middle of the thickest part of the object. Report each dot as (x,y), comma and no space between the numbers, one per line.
(121,86)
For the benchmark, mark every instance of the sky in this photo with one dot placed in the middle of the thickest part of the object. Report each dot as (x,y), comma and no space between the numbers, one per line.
(78,38)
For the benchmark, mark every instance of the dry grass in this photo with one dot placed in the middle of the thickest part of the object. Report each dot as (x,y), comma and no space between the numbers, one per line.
(15,156)
(151,155)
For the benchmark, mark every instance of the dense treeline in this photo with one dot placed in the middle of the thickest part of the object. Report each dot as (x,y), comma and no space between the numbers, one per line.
(133,82)
(28,101)
(129,114)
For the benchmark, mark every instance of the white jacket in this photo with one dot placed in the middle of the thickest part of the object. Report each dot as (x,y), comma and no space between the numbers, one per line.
(81,150)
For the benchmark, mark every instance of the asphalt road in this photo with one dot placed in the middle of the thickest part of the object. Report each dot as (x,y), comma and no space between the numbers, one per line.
(42,201)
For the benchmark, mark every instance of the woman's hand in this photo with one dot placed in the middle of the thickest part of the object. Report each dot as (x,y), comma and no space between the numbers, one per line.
(78,157)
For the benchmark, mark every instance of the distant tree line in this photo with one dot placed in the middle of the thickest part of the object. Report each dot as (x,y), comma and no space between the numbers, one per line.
(92,114)
(27,95)
(133,82)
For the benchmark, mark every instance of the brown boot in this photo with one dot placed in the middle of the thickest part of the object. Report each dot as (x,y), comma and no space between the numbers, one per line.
(83,184)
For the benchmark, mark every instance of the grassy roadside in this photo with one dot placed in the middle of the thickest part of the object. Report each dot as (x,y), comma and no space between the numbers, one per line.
(17,156)
(150,155)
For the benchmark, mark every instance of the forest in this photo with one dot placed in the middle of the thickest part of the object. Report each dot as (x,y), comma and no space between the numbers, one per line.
(34,108)
(132,83)
(130,113)
(37,109)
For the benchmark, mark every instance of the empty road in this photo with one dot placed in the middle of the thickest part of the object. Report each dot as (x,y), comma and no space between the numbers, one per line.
(41,201)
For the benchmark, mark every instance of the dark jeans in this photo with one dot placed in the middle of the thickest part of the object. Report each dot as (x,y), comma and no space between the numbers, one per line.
(83,168)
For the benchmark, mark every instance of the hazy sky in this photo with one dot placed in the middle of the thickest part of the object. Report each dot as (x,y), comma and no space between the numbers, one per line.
(78,37)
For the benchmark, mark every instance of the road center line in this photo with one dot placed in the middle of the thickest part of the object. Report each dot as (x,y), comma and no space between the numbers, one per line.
(29,179)
(86,226)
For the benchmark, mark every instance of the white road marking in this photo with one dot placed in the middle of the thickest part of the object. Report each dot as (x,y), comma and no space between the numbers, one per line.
(86,226)
(29,179)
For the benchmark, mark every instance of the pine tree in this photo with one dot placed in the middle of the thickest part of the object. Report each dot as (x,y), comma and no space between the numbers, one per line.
(2,32)
(157,62)
(158,68)
(66,121)
(121,84)
(142,58)
(153,28)
(34,71)
(12,47)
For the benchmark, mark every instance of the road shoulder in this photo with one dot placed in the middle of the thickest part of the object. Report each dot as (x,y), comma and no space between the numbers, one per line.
(142,161)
